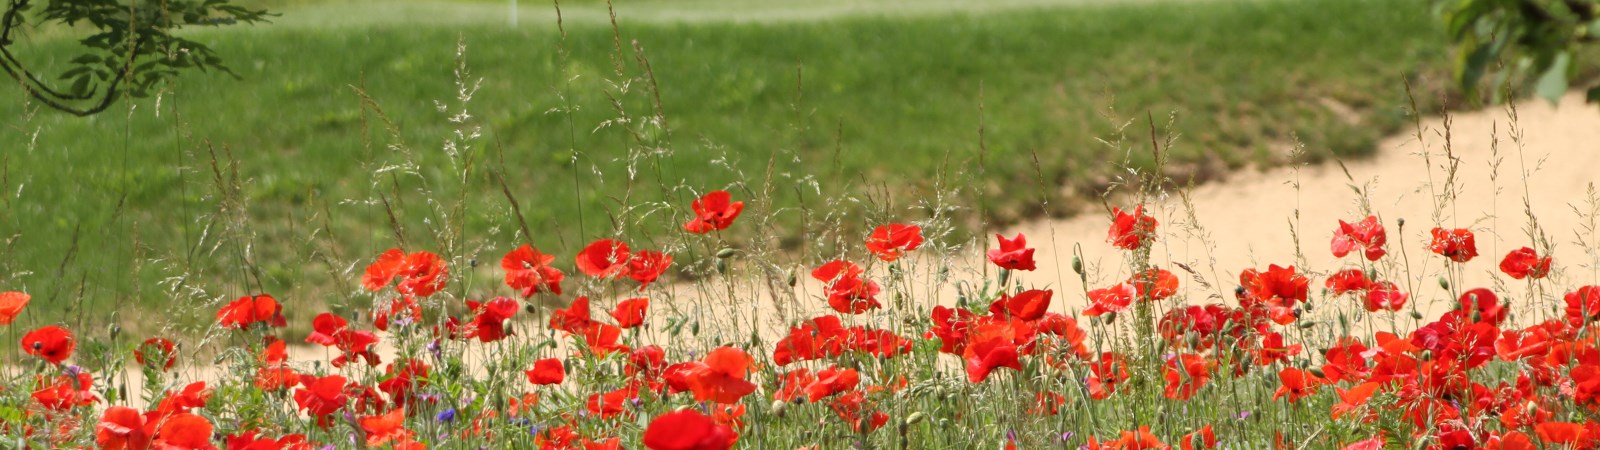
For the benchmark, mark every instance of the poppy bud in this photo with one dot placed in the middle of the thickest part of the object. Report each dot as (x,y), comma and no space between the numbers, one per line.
(694,328)
(725,253)
(1110,317)
(1308,305)
(1307,325)
(1443,283)
(1318,373)
(1401,222)
(472,263)
(792,280)
(115,330)
(1476,316)
(530,308)
(914,418)
(779,407)
(1372,273)
(1416,315)
(722,266)
(755,339)
(1427,355)
(1077,265)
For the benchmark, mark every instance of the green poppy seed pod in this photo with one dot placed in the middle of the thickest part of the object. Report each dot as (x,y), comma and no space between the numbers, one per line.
(1416,315)
(792,278)
(1318,373)
(1401,222)
(722,266)
(1444,283)
(726,253)
(779,407)
(914,418)
(1077,265)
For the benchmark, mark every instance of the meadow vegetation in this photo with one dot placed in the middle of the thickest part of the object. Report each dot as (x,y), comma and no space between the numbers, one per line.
(300,154)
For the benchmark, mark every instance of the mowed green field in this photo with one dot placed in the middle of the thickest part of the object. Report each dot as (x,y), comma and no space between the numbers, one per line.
(277,181)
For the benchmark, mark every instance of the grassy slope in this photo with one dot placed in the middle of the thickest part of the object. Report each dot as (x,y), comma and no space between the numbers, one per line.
(888,103)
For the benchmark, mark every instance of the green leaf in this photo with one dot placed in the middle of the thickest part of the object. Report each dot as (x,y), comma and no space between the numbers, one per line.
(1553,83)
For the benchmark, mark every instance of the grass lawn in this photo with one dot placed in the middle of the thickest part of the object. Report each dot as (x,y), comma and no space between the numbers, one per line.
(157,202)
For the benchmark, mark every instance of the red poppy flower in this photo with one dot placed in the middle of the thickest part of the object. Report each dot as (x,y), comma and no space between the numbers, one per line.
(847,292)
(610,404)
(1013,254)
(604,258)
(321,397)
(1110,300)
(830,381)
(1130,231)
(1296,383)
(721,375)
(1348,280)
(646,266)
(1203,438)
(194,395)
(630,312)
(687,430)
(1568,434)
(1366,235)
(547,371)
(1583,304)
(1457,244)
(574,318)
(121,428)
(529,271)
(1028,305)
(1525,263)
(329,330)
(66,392)
(403,309)
(162,352)
(249,310)
(1186,374)
(1142,439)
(421,273)
(489,323)
(385,428)
(989,347)
(11,304)
(1278,286)
(1354,399)
(601,339)
(1106,374)
(854,409)
(713,211)
(405,377)
(1385,296)
(1154,284)
(892,241)
(50,343)
(184,431)
(1481,305)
